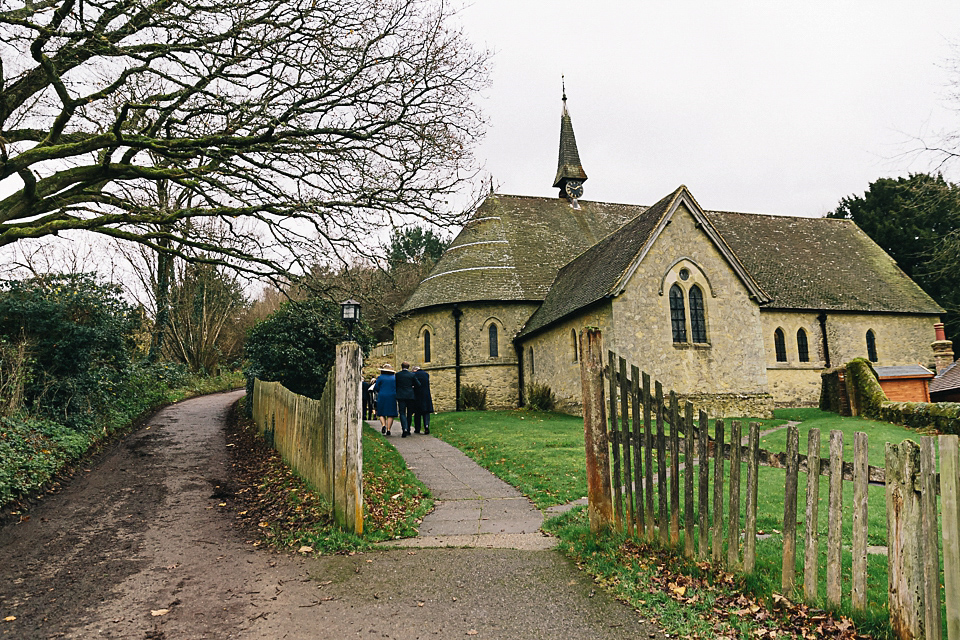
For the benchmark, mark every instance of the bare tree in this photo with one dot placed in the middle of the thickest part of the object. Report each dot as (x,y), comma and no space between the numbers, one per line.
(322,122)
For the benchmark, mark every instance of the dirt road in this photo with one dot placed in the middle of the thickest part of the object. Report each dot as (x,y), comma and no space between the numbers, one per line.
(142,546)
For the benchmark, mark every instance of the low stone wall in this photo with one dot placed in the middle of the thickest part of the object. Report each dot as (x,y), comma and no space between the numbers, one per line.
(868,398)
(732,405)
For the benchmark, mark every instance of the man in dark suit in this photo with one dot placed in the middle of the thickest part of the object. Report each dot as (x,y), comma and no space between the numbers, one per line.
(424,401)
(406,396)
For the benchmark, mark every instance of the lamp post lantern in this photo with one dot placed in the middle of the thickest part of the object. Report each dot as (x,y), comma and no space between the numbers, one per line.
(350,313)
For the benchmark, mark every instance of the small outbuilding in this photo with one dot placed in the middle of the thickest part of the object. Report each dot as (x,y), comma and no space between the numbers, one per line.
(907,383)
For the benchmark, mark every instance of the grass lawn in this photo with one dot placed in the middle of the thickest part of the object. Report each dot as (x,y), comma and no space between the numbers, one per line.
(542,455)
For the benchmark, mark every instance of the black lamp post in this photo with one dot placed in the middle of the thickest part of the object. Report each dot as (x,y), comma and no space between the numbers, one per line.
(350,313)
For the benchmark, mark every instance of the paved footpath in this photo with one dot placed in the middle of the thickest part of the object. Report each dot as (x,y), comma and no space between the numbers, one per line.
(474,508)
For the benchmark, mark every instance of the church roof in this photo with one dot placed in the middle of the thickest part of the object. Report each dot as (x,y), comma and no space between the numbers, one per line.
(820,264)
(816,264)
(512,247)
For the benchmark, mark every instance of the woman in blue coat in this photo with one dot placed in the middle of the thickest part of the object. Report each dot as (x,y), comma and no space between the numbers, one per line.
(386,389)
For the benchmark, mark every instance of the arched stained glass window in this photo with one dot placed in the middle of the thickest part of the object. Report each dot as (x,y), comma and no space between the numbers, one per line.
(780,344)
(803,350)
(494,342)
(698,320)
(871,345)
(678,320)
(426,346)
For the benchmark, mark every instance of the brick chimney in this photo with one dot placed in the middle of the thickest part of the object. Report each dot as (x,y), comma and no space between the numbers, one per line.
(942,348)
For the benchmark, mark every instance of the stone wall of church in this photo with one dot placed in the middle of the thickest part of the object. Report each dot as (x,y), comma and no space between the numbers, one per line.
(729,366)
(793,383)
(900,339)
(497,373)
(549,358)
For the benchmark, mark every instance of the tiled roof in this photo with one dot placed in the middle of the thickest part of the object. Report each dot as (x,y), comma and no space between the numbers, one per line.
(948,380)
(513,246)
(820,264)
(912,370)
(568,164)
(590,277)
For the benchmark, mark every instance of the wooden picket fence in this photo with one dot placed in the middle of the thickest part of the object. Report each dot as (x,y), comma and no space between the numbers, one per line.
(645,431)
(320,439)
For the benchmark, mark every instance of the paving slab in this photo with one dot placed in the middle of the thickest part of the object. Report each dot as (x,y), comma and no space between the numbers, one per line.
(473,507)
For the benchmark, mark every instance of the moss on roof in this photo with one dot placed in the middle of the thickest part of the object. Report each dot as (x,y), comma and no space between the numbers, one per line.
(820,264)
(512,248)
(524,248)
(593,273)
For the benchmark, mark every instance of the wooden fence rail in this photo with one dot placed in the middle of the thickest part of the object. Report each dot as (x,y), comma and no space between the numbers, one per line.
(320,439)
(653,442)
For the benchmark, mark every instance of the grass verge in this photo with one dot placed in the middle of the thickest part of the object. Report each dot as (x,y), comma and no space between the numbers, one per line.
(35,452)
(277,508)
(687,599)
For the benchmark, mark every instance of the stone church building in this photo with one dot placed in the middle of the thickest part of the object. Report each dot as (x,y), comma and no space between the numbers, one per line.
(736,312)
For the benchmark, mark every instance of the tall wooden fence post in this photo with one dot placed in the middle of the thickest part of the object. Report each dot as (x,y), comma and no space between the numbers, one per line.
(348,467)
(950,490)
(788,576)
(733,528)
(716,549)
(858,569)
(703,496)
(835,519)
(904,564)
(933,624)
(600,499)
(616,440)
(811,555)
(753,478)
(637,447)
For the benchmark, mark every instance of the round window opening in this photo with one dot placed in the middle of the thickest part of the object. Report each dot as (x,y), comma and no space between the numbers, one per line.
(684,274)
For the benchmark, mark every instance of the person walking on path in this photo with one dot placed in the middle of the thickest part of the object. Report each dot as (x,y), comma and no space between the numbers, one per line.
(368,411)
(386,389)
(406,396)
(423,403)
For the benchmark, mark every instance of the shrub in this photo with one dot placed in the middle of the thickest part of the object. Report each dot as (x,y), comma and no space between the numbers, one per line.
(79,336)
(540,397)
(296,345)
(473,397)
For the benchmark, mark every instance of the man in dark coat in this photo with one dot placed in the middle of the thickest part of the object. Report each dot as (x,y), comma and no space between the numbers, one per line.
(406,396)
(424,401)
(367,399)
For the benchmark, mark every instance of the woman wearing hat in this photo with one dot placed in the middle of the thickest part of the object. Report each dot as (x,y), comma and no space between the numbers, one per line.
(386,389)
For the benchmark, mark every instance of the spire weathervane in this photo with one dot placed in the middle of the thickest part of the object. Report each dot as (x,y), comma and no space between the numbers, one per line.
(570,173)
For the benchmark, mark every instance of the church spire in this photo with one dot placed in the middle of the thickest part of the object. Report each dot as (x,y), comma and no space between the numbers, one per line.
(570,174)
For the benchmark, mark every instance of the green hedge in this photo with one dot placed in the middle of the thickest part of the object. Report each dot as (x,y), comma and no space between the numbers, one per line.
(941,416)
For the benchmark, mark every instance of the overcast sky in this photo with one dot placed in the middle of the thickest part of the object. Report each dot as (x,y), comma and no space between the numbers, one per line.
(763,107)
